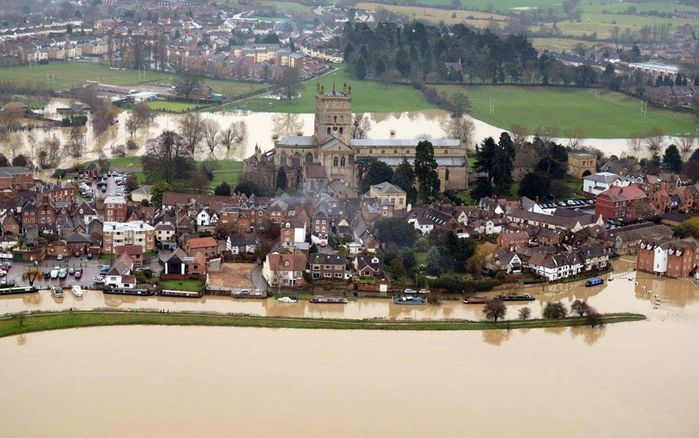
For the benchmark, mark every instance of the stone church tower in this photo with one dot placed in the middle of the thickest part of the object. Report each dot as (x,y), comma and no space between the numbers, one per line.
(333,116)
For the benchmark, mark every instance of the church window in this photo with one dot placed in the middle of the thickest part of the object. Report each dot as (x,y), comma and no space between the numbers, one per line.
(309,158)
(341,129)
(446,175)
(335,119)
(371,151)
(446,151)
(335,162)
(328,129)
(395,151)
(383,151)
(342,162)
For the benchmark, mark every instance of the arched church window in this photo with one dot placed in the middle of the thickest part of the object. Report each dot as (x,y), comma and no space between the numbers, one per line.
(342,162)
(335,162)
(341,129)
(446,174)
(335,119)
(309,158)
(328,129)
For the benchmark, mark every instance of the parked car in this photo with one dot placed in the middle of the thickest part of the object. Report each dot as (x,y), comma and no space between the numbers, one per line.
(47,274)
(89,256)
(71,271)
(410,291)
(11,282)
(98,280)
(78,273)
(105,269)
(59,257)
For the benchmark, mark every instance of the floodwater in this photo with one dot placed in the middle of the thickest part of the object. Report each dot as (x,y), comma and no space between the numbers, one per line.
(622,294)
(630,379)
(262,127)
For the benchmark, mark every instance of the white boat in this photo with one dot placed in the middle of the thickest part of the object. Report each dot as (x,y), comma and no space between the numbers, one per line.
(77,291)
(288,300)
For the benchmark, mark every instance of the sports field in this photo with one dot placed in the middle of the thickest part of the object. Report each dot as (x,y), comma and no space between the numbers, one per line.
(68,74)
(614,115)
(160,105)
(367,96)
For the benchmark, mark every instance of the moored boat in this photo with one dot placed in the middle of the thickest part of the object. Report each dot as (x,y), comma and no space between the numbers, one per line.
(18,290)
(77,291)
(328,300)
(475,300)
(127,291)
(409,301)
(517,297)
(180,293)
(289,299)
(594,282)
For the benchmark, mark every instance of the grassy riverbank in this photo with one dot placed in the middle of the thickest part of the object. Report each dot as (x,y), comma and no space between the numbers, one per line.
(57,321)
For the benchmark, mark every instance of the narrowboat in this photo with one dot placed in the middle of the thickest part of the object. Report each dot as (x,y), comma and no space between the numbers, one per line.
(476,300)
(517,297)
(18,290)
(409,301)
(127,291)
(180,293)
(328,300)
(594,282)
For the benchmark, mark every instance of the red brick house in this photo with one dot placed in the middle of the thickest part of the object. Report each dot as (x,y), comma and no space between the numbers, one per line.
(513,241)
(328,267)
(621,202)
(205,245)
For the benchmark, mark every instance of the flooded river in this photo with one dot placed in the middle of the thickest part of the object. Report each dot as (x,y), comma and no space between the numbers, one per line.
(630,379)
(262,127)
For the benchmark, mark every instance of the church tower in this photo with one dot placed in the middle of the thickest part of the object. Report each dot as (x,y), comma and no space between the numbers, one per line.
(333,114)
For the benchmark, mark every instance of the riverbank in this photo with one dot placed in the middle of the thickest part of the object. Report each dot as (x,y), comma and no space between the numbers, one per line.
(28,323)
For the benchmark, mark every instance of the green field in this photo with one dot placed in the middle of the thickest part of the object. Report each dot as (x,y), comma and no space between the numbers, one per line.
(640,7)
(614,115)
(186,285)
(161,105)
(228,171)
(558,44)
(70,74)
(288,6)
(367,96)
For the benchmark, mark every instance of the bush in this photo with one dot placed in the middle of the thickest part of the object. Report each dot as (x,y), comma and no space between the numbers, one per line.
(131,145)
(456,285)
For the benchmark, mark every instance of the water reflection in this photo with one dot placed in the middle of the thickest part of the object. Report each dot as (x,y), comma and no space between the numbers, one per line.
(21,340)
(590,335)
(496,337)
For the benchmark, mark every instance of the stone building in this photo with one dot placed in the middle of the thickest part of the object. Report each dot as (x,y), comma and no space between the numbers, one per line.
(330,154)
(581,165)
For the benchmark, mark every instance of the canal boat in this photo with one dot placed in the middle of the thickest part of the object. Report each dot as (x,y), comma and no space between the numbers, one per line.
(594,282)
(77,291)
(18,290)
(517,297)
(128,291)
(328,300)
(476,300)
(289,299)
(409,301)
(180,293)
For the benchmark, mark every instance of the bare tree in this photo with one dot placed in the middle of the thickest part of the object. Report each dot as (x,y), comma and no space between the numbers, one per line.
(461,128)
(240,132)
(211,134)
(227,138)
(289,83)
(132,124)
(579,307)
(143,113)
(687,141)
(167,158)
(286,124)
(519,135)
(191,128)
(635,144)
(14,145)
(495,309)
(575,136)
(76,144)
(524,313)
(10,119)
(48,153)
(547,133)
(654,140)
(187,83)
(361,125)
(200,181)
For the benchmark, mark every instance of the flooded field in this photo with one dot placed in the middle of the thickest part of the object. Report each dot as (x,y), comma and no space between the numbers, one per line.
(262,127)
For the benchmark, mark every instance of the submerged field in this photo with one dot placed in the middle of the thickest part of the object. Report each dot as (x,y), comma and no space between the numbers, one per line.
(614,115)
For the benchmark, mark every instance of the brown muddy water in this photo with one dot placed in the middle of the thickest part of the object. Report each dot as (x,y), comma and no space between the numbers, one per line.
(630,379)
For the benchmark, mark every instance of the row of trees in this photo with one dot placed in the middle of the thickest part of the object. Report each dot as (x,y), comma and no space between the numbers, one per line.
(496,309)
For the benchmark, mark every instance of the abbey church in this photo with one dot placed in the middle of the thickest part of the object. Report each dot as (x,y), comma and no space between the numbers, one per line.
(330,154)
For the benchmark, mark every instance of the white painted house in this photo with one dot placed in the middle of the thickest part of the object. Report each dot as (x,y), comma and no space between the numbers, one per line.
(599,182)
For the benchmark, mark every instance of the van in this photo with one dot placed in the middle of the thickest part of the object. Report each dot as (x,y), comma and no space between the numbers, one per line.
(54,273)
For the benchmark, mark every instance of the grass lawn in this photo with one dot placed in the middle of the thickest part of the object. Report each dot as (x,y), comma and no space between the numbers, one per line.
(499,5)
(161,105)
(186,285)
(288,6)
(434,15)
(640,7)
(420,258)
(228,171)
(367,96)
(69,74)
(614,115)
(558,45)
(10,326)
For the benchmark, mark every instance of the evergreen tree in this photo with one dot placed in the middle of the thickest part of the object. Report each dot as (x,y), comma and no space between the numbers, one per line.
(534,185)
(426,171)
(481,189)
(672,159)
(380,68)
(404,177)
(678,79)
(281,180)
(377,173)
(504,165)
(485,157)
(347,54)
(360,70)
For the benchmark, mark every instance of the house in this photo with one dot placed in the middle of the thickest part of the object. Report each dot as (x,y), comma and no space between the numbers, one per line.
(367,266)
(134,251)
(116,234)
(389,192)
(206,218)
(512,241)
(120,273)
(141,194)
(674,258)
(507,261)
(582,164)
(92,170)
(205,245)
(10,226)
(598,182)
(556,266)
(80,242)
(115,209)
(180,266)
(16,178)
(293,231)
(621,203)
(594,257)
(165,234)
(242,243)
(626,240)
(284,269)
(328,266)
